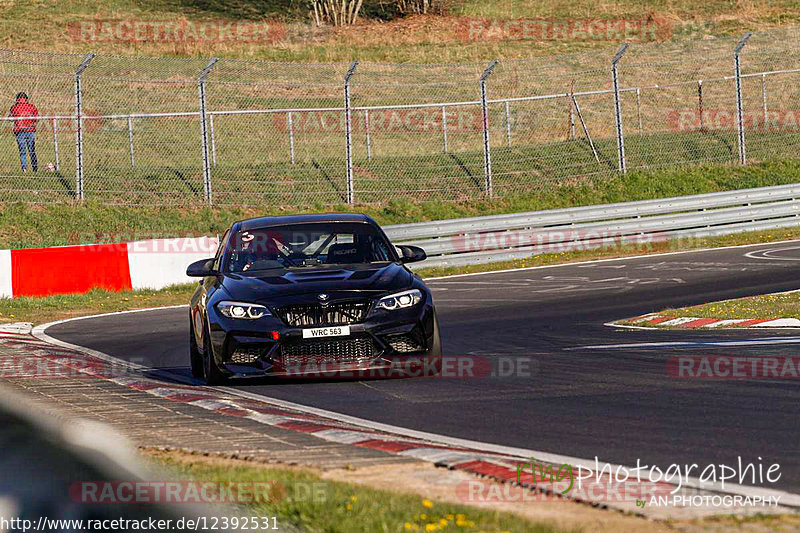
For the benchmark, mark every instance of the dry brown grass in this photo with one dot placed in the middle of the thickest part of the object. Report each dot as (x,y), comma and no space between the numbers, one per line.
(418,38)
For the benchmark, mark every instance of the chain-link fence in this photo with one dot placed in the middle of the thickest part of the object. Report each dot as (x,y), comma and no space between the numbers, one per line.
(146,131)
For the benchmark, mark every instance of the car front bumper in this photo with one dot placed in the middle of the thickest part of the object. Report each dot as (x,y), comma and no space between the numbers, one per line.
(385,345)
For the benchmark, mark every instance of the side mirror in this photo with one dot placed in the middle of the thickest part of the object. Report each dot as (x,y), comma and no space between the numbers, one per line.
(412,254)
(201,269)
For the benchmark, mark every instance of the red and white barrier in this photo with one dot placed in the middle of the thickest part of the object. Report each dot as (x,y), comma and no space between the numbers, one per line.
(654,320)
(5,274)
(152,264)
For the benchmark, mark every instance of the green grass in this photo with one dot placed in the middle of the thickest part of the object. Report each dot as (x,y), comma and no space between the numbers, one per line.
(336,506)
(786,305)
(29,226)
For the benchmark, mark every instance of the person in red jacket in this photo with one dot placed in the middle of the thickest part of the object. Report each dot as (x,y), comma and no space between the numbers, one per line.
(25,130)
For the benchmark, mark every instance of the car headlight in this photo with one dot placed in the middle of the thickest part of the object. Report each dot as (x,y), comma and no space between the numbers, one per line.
(242,310)
(400,300)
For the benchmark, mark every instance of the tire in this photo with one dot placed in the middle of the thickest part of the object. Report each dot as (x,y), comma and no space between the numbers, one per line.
(195,358)
(211,373)
(434,357)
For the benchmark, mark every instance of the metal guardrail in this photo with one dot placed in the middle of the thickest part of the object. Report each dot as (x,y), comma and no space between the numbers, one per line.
(486,239)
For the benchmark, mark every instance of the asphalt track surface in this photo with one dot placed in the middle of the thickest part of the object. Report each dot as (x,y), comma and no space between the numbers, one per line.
(619,404)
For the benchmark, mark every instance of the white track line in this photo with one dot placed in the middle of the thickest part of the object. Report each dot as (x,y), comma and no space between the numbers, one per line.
(786,498)
(691,344)
(766,256)
(38,332)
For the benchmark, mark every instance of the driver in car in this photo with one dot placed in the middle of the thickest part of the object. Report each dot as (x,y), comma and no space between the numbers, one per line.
(252,249)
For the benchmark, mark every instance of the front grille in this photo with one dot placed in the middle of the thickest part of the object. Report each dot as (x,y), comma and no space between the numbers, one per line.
(404,343)
(335,314)
(326,352)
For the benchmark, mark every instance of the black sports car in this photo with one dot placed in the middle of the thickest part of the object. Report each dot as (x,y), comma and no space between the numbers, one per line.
(311,295)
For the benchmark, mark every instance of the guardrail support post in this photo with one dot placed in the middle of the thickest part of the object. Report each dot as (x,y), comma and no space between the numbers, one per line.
(487,154)
(348,130)
(618,107)
(79,125)
(201,89)
(739,108)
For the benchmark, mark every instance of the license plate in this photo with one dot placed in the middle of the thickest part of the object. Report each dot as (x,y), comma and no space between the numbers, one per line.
(333,331)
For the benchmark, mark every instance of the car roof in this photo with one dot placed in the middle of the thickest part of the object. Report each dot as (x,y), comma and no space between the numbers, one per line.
(260,222)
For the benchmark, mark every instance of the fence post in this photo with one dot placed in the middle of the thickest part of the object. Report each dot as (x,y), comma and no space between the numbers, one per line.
(585,127)
(291,137)
(618,107)
(55,144)
(213,139)
(79,125)
(487,154)
(508,124)
(130,140)
(201,89)
(639,109)
(764,98)
(444,127)
(349,132)
(570,96)
(739,109)
(369,136)
(700,102)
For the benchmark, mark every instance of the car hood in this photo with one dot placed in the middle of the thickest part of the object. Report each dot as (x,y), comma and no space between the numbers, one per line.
(337,281)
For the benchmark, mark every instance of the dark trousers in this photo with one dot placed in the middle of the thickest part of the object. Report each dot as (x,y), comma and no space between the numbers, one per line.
(26,140)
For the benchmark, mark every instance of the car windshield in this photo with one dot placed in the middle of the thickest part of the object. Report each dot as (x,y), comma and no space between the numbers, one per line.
(306,245)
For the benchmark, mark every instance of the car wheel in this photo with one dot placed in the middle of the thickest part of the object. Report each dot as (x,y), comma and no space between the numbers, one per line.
(211,374)
(434,357)
(195,359)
